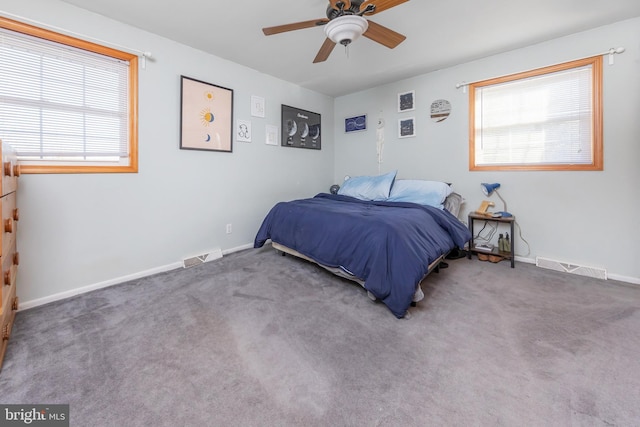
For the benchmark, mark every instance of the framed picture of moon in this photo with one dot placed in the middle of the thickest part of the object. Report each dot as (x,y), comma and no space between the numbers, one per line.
(206,116)
(300,128)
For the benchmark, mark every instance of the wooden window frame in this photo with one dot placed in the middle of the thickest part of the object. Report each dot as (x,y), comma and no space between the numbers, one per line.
(132,59)
(597,132)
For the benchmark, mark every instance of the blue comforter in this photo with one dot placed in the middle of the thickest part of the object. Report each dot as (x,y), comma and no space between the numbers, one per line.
(389,245)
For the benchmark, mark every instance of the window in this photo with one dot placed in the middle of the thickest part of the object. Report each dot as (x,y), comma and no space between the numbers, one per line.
(545,119)
(67,105)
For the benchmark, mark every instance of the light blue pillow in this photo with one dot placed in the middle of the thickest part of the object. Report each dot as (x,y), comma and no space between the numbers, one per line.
(430,193)
(368,187)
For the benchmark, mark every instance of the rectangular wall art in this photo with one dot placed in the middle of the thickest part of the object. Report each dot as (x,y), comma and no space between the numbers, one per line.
(206,116)
(407,127)
(257,106)
(355,124)
(300,128)
(243,130)
(407,101)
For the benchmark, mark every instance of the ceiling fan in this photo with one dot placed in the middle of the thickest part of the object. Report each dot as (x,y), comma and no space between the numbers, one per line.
(345,22)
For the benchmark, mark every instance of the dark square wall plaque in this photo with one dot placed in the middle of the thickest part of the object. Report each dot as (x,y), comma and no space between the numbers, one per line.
(300,128)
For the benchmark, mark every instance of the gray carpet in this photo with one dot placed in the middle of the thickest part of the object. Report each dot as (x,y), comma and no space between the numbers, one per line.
(256,339)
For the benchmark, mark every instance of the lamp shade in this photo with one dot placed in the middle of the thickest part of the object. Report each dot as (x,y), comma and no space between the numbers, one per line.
(487,189)
(345,29)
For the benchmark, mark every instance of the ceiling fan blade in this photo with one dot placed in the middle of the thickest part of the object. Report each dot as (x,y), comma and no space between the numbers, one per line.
(383,35)
(295,26)
(325,51)
(334,4)
(380,5)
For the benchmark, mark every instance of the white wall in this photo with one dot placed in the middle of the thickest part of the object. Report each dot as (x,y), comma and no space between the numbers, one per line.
(80,231)
(588,218)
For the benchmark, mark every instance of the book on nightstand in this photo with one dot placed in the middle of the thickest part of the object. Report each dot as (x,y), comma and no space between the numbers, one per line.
(484,247)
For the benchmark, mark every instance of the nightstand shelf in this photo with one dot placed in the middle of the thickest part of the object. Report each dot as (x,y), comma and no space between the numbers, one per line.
(510,220)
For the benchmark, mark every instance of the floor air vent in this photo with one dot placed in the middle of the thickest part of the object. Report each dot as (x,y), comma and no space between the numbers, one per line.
(201,259)
(552,264)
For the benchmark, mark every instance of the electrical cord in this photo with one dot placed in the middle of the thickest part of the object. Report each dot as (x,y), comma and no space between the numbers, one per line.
(486,239)
(522,238)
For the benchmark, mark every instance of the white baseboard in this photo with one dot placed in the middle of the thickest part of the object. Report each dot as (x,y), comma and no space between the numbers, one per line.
(68,294)
(73,292)
(611,276)
(620,278)
(525,260)
(237,249)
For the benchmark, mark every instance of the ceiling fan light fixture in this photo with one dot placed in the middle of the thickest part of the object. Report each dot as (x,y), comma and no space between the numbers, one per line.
(346,29)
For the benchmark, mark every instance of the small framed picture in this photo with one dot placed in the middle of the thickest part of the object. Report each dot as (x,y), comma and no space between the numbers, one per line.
(407,127)
(272,135)
(257,106)
(407,101)
(355,124)
(243,131)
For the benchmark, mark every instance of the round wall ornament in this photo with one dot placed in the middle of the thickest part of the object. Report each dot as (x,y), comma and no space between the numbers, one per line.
(440,110)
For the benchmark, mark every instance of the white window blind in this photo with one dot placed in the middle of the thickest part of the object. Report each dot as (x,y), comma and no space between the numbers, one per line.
(61,103)
(541,120)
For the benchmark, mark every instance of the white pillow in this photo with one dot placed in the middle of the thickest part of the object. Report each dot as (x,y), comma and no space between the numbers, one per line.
(430,193)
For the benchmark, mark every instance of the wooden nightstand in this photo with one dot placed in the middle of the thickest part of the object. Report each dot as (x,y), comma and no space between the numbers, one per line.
(511,220)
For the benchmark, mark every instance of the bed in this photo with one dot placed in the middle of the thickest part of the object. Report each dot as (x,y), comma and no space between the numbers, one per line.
(376,237)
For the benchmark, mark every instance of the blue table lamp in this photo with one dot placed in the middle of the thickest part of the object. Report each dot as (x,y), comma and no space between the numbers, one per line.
(489,189)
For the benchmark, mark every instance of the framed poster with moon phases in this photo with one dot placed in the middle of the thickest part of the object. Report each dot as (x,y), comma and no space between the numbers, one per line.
(301,128)
(206,116)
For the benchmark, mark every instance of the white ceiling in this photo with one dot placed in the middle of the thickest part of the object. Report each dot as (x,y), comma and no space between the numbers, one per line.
(439,33)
